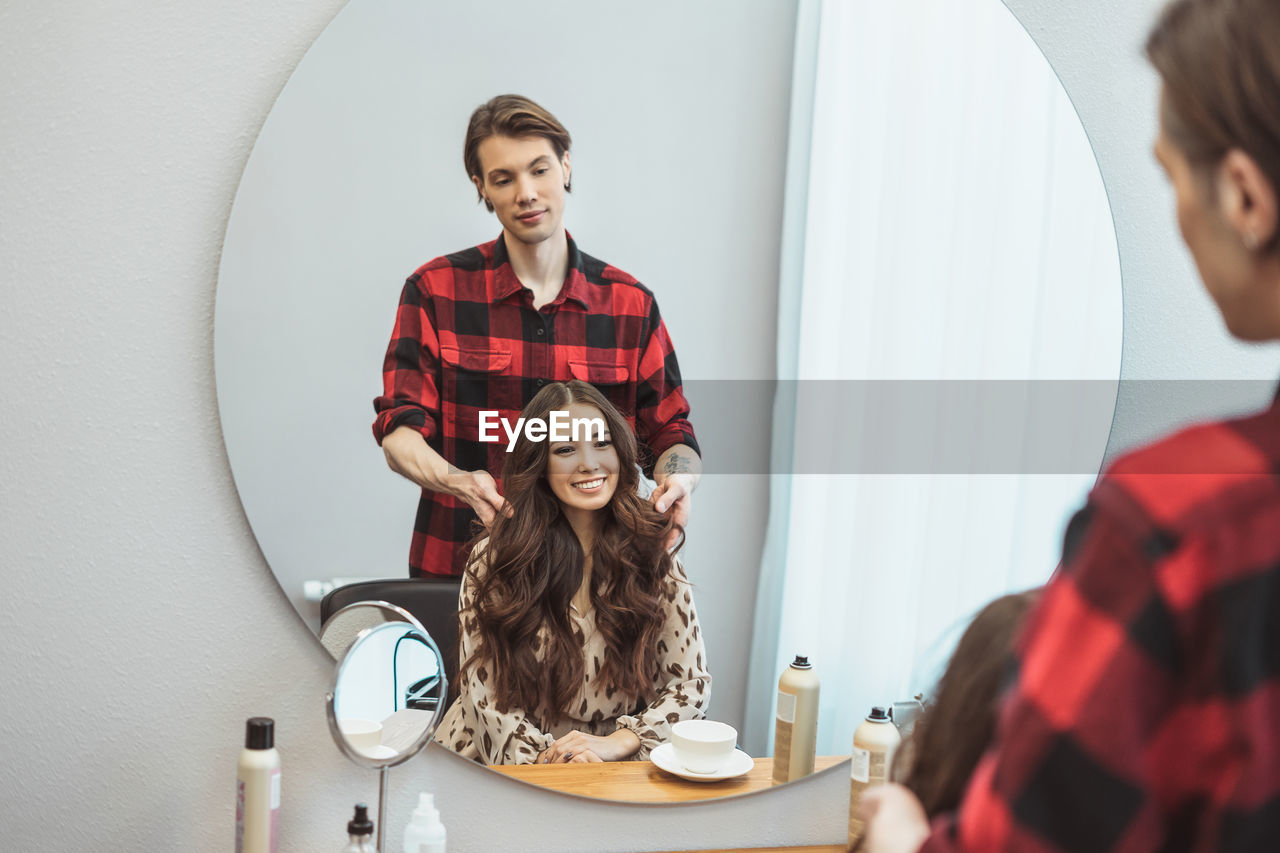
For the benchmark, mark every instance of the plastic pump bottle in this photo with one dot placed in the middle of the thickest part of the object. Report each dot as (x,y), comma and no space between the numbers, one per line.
(360,832)
(425,832)
(258,788)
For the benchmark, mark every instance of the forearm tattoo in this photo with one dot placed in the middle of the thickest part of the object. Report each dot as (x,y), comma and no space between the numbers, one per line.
(676,464)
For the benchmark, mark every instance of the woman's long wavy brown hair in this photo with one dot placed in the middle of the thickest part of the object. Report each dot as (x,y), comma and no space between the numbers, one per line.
(533,565)
(960,724)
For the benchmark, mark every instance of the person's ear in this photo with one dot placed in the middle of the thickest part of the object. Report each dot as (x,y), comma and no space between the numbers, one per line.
(1247,198)
(564,164)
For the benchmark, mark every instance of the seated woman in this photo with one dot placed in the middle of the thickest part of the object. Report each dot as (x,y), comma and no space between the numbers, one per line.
(578,636)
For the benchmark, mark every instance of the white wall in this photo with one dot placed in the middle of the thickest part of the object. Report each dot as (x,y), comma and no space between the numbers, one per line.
(139,608)
(1171,328)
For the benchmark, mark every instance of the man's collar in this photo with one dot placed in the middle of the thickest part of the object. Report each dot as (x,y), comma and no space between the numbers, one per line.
(505,282)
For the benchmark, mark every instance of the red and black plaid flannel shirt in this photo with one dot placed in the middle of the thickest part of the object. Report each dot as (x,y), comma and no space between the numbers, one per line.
(1145,711)
(467,339)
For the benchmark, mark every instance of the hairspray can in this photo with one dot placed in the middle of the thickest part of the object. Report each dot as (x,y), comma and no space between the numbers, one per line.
(795,734)
(874,741)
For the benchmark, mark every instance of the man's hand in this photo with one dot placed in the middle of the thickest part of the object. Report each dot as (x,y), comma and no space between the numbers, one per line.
(580,747)
(675,494)
(480,491)
(677,473)
(896,822)
(409,455)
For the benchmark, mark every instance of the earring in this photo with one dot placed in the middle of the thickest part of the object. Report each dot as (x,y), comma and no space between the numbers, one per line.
(1250,240)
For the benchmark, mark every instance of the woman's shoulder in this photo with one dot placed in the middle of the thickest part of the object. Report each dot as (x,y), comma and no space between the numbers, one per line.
(677,584)
(477,560)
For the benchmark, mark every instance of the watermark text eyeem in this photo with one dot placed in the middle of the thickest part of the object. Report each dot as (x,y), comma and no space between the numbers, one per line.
(557,427)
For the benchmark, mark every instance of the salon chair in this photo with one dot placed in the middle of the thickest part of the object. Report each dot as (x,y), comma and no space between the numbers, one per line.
(432,601)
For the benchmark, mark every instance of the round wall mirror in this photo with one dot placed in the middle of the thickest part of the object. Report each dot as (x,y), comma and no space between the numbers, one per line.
(912,173)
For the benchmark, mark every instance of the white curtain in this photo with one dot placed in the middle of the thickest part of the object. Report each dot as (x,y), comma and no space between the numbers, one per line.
(945,221)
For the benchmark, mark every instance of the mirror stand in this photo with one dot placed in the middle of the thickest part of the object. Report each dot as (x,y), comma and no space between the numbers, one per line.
(384,773)
(364,638)
(382,807)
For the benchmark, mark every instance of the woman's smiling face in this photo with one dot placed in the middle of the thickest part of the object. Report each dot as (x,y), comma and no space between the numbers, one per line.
(583,474)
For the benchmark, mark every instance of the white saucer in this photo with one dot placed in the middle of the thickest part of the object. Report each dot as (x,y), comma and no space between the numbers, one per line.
(665,759)
(378,751)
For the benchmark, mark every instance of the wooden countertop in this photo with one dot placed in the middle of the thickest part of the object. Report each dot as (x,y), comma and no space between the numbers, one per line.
(643,782)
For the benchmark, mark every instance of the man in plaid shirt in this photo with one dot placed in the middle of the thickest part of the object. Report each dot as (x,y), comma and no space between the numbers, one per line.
(1144,711)
(483,329)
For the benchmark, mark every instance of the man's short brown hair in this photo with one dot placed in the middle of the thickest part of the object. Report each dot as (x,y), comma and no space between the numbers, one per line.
(1218,62)
(509,115)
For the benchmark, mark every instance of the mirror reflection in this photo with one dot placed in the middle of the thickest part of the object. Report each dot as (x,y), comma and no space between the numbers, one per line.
(580,639)
(944,232)
(389,690)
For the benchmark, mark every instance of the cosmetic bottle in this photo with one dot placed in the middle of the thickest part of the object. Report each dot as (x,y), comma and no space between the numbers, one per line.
(425,833)
(874,742)
(795,735)
(360,832)
(904,716)
(258,788)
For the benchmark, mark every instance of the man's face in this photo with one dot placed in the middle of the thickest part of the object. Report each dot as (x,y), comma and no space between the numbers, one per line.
(524,181)
(1224,266)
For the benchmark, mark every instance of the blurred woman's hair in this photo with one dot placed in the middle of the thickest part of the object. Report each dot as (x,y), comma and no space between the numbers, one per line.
(533,565)
(1219,61)
(960,724)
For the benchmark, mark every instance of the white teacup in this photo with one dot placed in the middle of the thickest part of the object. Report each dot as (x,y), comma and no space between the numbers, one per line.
(363,735)
(703,746)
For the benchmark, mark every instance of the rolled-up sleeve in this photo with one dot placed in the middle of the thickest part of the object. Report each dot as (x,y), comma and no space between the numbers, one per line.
(411,369)
(662,412)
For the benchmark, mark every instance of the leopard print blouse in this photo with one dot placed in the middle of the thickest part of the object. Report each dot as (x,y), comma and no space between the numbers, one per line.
(475,729)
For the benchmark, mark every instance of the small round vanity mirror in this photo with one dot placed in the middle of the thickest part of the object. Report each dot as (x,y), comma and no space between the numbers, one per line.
(389,689)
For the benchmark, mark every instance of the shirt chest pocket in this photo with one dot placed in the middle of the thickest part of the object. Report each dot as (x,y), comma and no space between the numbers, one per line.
(612,380)
(475,360)
(475,379)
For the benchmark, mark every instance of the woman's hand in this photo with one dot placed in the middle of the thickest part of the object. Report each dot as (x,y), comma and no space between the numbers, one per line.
(579,747)
(584,757)
(896,822)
